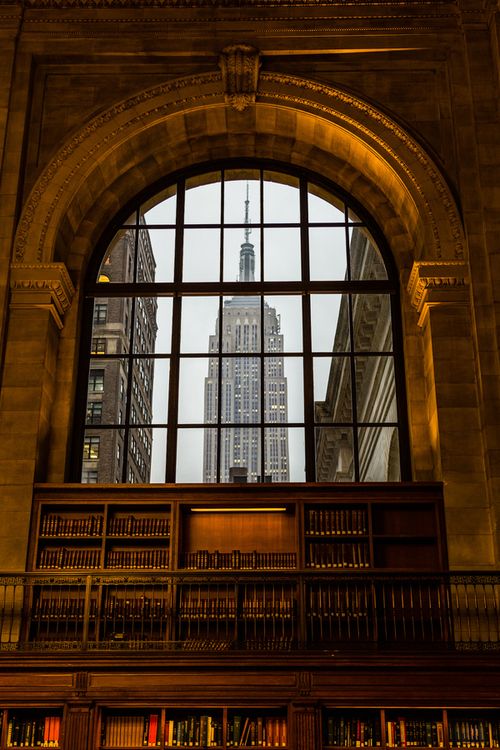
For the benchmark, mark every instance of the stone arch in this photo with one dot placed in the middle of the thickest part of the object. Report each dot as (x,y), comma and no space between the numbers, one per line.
(187,121)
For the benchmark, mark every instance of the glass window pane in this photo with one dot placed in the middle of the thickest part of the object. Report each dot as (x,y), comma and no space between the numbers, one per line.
(146,267)
(327,254)
(236,196)
(372,326)
(296,452)
(153,325)
(241,258)
(277,459)
(281,198)
(334,454)
(282,255)
(163,249)
(332,389)
(201,255)
(149,391)
(375,389)
(192,446)
(283,389)
(241,324)
(365,257)
(330,322)
(118,263)
(107,386)
(193,374)
(240,394)
(141,398)
(161,209)
(203,199)
(379,454)
(102,456)
(240,459)
(139,455)
(200,324)
(323,206)
(112,320)
(283,323)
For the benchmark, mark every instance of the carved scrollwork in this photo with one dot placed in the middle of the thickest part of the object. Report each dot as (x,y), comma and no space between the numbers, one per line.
(240,65)
(44,285)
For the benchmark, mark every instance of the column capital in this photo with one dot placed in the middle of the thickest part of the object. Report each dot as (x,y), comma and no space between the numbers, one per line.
(41,285)
(434,283)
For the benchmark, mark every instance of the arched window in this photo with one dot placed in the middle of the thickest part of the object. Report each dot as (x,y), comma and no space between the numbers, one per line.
(243,325)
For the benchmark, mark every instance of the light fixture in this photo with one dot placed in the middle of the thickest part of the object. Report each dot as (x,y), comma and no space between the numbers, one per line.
(276,509)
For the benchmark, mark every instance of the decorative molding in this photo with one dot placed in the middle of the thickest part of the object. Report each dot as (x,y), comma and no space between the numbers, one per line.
(434,283)
(240,65)
(207,88)
(46,286)
(377,116)
(88,131)
(304,683)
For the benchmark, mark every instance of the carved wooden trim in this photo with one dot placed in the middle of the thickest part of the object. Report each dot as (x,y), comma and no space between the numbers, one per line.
(44,285)
(305,728)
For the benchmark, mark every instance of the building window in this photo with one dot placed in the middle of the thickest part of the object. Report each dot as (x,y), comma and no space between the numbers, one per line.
(257,335)
(89,476)
(100,312)
(91,447)
(94,412)
(96,381)
(98,346)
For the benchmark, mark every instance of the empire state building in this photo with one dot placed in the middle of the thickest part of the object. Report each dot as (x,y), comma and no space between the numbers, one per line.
(250,401)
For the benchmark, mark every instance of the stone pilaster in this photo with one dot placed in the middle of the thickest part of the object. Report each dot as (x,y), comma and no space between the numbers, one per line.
(40,295)
(440,293)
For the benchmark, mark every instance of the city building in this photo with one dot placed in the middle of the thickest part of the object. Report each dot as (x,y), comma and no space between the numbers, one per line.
(248,386)
(116,455)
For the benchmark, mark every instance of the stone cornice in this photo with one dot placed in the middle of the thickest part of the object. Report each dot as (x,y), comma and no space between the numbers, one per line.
(45,285)
(435,283)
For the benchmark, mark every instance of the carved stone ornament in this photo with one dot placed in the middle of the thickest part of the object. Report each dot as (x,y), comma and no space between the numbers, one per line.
(46,286)
(435,283)
(240,65)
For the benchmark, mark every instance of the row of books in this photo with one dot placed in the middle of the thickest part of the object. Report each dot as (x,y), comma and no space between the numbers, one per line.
(200,609)
(193,731)
(320,522)
(142,607)
(320,555)
(54,525)
(131,731)
(267,608)
(57,608)
(69,559)
(329,601)
(237,560)
(139,559)
(353,731)
(41,731)
(143,526)
(276,643)
(474,733)
(406,732)
(261,731)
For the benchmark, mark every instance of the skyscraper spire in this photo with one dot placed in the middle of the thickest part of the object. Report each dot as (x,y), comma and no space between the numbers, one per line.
(247,254)
(248,229)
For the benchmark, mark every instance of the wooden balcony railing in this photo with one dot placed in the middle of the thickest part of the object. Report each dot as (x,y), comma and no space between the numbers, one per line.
(224,612)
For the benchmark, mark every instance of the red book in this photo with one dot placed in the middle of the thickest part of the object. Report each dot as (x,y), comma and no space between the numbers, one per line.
(153,729)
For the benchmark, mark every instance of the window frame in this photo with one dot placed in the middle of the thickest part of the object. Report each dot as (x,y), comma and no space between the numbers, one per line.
(223,289)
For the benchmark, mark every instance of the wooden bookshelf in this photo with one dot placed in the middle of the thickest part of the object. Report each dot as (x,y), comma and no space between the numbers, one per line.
(32,727)
(103,536)
(403,728)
